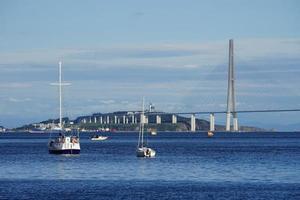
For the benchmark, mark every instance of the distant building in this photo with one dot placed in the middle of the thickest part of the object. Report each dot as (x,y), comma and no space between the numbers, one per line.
(2,129)
(151,107)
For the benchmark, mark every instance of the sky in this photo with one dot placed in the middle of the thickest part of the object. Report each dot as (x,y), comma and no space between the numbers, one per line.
(175,53)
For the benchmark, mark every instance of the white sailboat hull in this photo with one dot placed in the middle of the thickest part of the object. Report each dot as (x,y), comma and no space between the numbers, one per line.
(100,138)
(145,152)
(141,150)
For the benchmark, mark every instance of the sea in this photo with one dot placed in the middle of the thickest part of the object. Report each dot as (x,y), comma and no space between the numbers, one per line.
(187,166)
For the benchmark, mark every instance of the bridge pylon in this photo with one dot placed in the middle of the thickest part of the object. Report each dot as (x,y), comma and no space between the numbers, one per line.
(231,92)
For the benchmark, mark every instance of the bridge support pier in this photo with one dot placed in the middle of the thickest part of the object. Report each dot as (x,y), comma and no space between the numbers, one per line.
(107,119)
(212,122)
(124,119)
(158,119)
(235,123)
(144,119)
(228,122)
(101,120)
(193,123)
(174,119)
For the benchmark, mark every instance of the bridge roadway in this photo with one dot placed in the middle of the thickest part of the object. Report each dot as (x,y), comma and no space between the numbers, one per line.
(218,112)
(211,113)
(132,118)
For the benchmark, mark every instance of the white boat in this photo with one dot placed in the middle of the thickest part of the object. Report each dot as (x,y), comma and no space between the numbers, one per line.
(142,150)
(56,129)
(99,137)
(63,144)
(210,134)
(145,152)
(36,131)
(153,132)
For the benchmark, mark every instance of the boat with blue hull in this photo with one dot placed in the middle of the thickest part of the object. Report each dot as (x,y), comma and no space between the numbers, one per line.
(68,151)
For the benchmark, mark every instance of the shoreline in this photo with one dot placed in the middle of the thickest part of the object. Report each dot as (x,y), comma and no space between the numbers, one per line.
(162,132)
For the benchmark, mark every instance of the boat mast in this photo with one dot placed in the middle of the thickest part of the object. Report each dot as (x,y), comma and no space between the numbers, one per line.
(140,130)
(60,84)
(142,123)
(60,97)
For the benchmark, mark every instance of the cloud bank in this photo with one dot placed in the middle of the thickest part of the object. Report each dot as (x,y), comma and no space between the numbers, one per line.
(175,77)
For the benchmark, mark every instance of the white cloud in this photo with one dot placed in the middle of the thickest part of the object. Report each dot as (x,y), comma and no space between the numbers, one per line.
(15,85)
(190,66)
(18,100)
(176,55)
(109,101)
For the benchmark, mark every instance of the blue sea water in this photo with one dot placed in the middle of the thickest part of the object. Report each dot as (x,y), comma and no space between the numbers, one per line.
(187,166)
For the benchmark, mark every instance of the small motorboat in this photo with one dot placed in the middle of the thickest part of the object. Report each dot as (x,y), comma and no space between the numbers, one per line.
(99,137)
(153,132)
(210,134)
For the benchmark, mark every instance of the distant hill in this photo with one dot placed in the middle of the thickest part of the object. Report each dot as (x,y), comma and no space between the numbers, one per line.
(115,121)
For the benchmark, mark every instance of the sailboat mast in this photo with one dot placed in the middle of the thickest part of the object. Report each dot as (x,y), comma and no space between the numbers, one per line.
(60,97)
(142,123)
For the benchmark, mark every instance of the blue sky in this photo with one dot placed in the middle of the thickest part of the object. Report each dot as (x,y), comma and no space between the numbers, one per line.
(173,52)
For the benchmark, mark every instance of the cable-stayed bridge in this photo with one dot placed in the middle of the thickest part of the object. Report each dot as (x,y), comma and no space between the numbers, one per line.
(231,112)
(135,117)
(211,114)
(219,112)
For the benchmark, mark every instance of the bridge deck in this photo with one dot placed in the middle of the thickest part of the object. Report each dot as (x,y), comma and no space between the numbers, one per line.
(217,112)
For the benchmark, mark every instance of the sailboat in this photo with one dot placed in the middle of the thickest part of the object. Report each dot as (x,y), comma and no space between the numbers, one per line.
(63,144)
(142,150)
